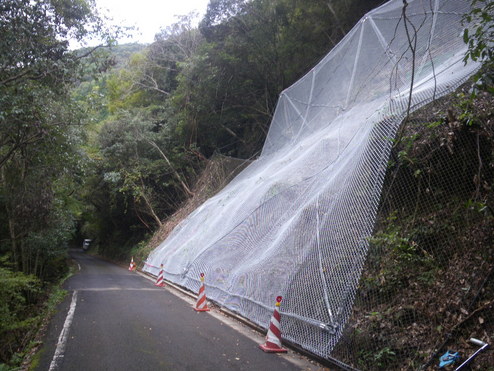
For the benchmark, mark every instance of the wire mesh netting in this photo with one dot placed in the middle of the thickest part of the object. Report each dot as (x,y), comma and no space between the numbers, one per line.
(299,221)
(427,286)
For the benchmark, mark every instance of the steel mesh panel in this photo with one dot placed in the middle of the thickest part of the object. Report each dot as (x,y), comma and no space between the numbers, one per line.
(297,221)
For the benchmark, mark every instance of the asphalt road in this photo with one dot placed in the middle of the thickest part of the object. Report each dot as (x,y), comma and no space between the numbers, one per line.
(113,319)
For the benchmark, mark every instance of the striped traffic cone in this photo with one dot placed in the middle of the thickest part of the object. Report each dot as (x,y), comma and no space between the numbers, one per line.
(132,265)
(201,305)
(159,280)
(273,338)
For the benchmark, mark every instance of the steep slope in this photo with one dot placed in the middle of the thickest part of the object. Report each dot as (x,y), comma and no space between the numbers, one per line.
(297,221)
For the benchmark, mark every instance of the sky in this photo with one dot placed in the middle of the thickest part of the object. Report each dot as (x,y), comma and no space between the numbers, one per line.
(148,15)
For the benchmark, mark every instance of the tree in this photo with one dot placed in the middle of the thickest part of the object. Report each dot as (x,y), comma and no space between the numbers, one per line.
(140,176)
(479,36)
(39,125)
(194,92)
(34,183)
(252,51)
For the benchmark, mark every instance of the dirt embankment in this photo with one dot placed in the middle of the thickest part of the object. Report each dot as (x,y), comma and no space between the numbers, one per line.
(219,171)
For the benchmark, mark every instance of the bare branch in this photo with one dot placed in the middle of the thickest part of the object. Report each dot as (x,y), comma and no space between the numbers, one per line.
(175,172)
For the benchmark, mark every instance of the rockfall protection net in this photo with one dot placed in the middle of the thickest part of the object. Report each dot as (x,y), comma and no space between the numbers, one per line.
(297,221)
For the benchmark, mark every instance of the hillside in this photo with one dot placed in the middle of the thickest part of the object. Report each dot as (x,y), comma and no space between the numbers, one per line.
(119,144)
(298,222)
(218,171)
(427,285)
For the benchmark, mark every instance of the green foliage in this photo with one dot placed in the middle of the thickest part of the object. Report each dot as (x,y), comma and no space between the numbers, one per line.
(35,185)
(191,93)
(479,207)
(397,254)
(140,251)
(377,360)
(465,106)
(18,293)
(252,51)
(479,36)
(134,180)
(480,20)
(24,304)
(406,144)
(404,250)
(14,289)
(41,128)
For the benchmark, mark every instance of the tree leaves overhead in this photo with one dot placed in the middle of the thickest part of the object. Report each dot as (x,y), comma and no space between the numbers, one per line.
(40,126)
(34,40)
(195,91)
(252,51)
(220,12)
(41,161)
(200,90)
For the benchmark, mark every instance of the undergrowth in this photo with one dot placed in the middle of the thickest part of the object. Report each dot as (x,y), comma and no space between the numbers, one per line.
(428,281)
(25,307)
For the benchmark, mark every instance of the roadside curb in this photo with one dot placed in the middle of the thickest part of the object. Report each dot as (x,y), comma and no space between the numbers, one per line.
(261,331)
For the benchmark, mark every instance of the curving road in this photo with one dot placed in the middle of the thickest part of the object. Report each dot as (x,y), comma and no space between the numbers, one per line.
(114,319)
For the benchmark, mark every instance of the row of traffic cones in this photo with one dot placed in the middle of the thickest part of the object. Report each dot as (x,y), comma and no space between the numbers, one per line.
(159,280)
(273,337)
(201,304)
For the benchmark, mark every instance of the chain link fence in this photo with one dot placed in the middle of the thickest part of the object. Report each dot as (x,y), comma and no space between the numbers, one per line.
(300,220)
(428,283)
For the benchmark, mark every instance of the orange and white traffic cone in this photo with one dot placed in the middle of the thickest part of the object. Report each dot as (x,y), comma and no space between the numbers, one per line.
(201,305)
(132,266)
(273,338)
(159,280)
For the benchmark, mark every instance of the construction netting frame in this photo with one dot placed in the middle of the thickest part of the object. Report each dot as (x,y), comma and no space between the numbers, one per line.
(297,221)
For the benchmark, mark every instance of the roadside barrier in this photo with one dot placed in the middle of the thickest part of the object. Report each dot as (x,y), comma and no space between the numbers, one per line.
(273,338)
(201,304)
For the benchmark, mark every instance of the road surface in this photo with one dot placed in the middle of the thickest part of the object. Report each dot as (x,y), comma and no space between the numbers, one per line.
(113,319)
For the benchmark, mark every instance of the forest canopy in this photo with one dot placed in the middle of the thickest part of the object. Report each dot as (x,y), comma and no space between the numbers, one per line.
(195,91)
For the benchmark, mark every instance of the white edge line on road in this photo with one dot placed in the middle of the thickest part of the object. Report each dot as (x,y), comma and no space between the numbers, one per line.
(62,339)
(79,266)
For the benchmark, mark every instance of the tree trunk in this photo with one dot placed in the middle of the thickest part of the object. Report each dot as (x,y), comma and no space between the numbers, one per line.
(175,172)
(13,243)
(149,206)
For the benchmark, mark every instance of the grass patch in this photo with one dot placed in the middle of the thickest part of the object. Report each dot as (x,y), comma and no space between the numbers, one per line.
(29,357)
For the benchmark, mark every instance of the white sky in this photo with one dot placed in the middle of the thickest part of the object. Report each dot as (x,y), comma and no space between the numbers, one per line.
(149,16)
